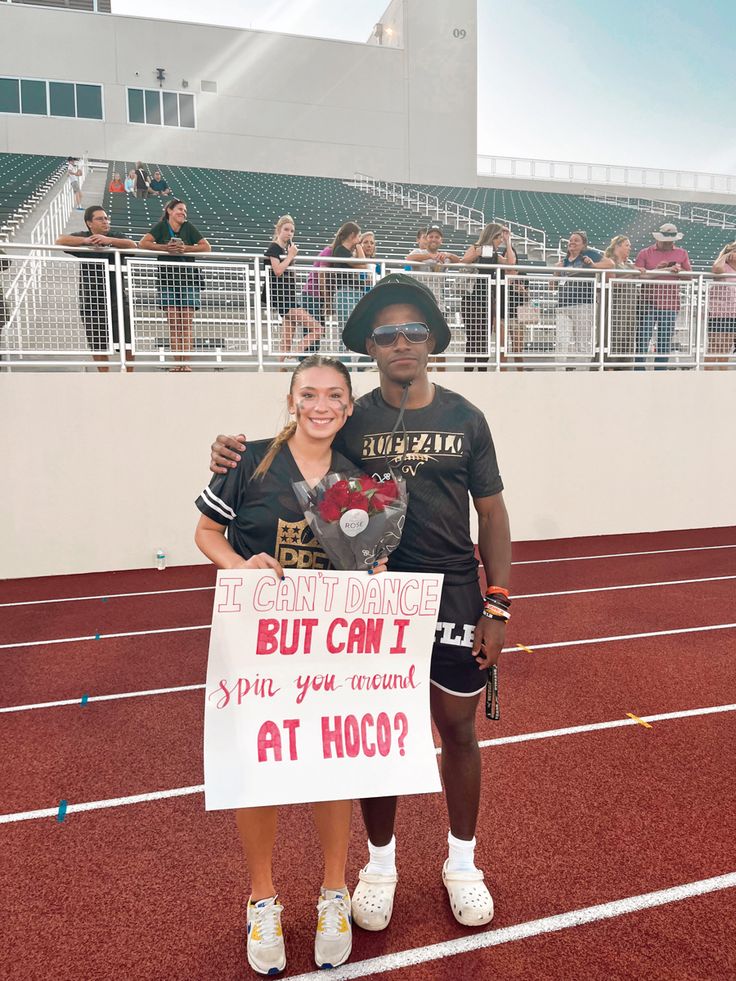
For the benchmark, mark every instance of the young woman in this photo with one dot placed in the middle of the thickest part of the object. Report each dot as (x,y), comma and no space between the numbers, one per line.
(722,307)
(280,255)
(576,300)
(623,301)
(116,185)
(344,288)
(130,182)
(478,307)
(178,286)
(258,493)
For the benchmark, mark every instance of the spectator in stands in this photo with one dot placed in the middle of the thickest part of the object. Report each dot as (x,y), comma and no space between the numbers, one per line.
(623,300)
(320,292)
(100,241)
(179,286)
(4,314)
(130,182)
(421,239)
(281,254)
(431,257)
(576,299)
(722,307)
(75,172)
(477,313)
(159,188)
(142,181)
(345,287)
(368,244)
(661,302)
(116,186)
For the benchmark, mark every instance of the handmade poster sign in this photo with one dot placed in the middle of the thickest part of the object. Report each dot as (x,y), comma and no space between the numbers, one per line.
(318,687)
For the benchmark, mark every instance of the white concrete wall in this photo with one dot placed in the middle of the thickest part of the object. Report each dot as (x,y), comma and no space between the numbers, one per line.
(101,470)
(284,104)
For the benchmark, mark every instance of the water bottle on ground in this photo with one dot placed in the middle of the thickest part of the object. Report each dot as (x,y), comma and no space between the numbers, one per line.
(160,560)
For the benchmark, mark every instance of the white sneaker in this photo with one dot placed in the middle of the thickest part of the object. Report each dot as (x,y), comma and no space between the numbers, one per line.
(266,952)
(472,904)
(333,940)
(373,899)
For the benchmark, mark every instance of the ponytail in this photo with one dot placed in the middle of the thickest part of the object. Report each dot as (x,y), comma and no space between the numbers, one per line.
(283,437)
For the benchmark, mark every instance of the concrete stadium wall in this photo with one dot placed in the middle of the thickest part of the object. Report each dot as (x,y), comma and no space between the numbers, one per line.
(103,469)
(284,103)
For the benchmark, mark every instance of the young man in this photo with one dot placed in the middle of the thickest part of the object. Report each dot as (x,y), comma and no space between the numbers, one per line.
(99,241)
(660,303)
(441,444)
(429,254)
(159,187)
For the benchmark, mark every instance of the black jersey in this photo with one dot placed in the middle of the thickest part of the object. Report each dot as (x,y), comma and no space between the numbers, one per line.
(448,455)
(262,513)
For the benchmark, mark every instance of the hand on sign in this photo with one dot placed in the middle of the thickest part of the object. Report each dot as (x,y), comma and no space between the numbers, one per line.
(380,565)
(488,642)
(225,452)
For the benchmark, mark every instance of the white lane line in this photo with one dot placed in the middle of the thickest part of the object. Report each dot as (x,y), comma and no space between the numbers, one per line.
(621,555)
(484,744)
(574,558)
(525,737)
(128,633)
(101,698)
(106,596)
(631,585)
(506,650)
(522,931)
(97,805)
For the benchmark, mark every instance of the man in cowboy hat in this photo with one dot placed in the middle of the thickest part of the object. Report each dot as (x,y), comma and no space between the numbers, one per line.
(661,302)
(443,447)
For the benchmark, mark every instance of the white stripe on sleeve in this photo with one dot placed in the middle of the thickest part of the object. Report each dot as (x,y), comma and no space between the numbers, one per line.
(217,505)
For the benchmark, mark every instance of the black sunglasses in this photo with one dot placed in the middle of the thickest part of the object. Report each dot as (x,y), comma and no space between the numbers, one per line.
(387,334)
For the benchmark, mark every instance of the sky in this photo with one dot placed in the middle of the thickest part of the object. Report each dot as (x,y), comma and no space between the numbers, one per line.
(645,85)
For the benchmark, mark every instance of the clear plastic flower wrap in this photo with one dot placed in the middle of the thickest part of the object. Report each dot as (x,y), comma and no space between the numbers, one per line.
(356,519)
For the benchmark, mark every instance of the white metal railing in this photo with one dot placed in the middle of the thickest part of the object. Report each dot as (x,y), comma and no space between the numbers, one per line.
(229,310)
(673,209)
(576,172)
(472,220)
(52,222)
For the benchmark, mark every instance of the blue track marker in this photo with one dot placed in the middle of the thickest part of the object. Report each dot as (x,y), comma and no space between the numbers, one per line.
(104,599)
(62,810)
(97,636)
(85,699)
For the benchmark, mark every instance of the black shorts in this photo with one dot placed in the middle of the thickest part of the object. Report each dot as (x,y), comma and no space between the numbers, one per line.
(93,311)
(453,668)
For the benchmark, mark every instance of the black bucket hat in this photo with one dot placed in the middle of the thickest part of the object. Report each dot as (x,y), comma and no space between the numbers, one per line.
(396,288)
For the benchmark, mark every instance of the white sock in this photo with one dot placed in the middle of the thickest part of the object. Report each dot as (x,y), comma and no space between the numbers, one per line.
(382,858)
(461,856)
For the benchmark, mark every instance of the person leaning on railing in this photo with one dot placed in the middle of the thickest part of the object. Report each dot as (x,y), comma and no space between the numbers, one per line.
(99,241)
(722,307)
(478,305)
(347,286)
(4,315)
(661,302)
(280,256)
(179,287)
(576,298)
(623,299)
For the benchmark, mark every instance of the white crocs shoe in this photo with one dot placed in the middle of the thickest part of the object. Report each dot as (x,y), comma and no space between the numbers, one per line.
(373,899)
(472,904)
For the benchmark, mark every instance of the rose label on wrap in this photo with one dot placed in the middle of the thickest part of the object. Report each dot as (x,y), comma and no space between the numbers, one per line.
(318,687)
(356,519)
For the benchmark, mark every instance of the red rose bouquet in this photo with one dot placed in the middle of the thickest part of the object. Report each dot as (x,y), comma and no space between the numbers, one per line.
(356,519)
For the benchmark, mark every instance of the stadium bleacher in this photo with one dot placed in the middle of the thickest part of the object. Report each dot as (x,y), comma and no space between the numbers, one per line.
(237,210)
(559,214)
(24,179)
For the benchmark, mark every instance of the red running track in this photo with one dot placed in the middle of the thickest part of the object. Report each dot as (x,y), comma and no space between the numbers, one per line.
(155,890)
